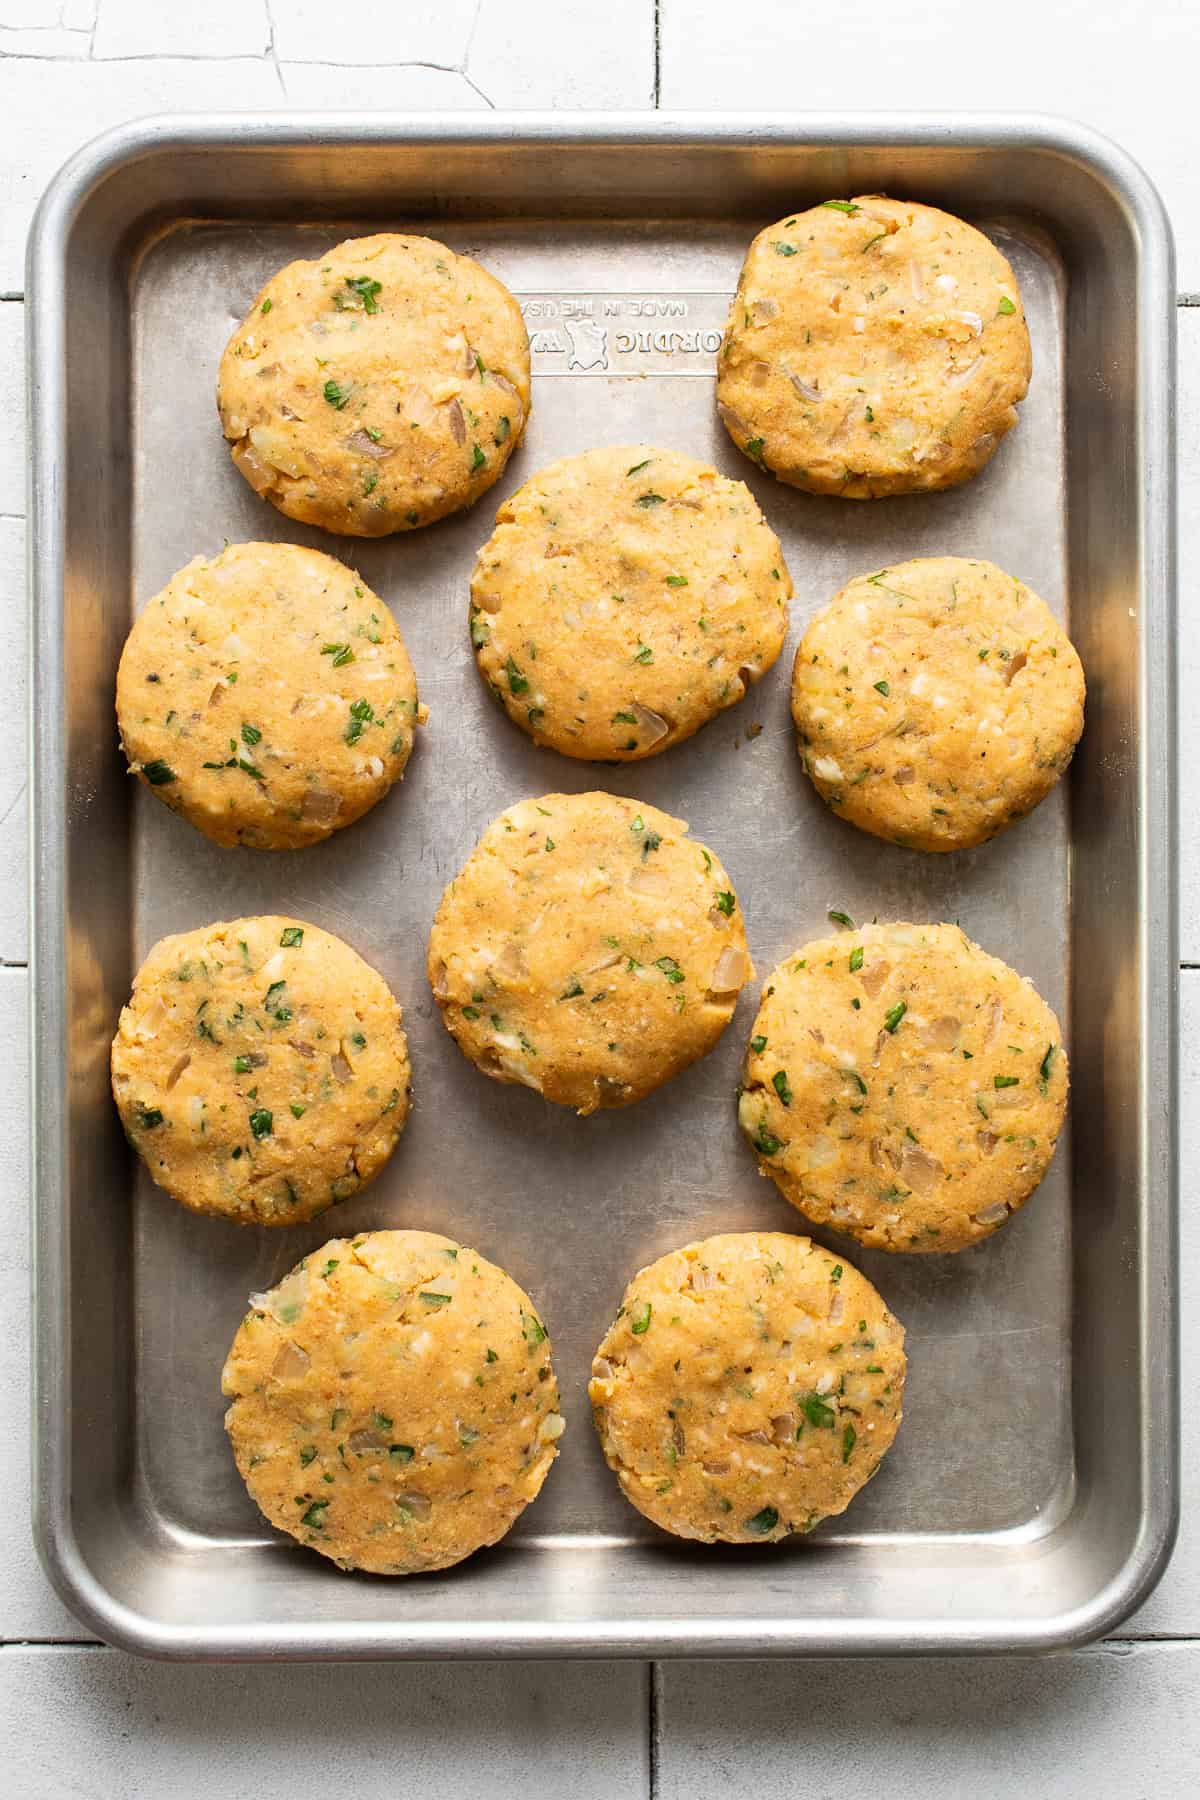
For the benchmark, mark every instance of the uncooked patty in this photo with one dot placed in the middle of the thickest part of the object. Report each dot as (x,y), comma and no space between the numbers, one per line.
(903,1086)
(393,1402)
(874,347)
(626,596)
(260,1070)
(378,388)
(588,949)
(936,702)
(748,1387)
(267,695)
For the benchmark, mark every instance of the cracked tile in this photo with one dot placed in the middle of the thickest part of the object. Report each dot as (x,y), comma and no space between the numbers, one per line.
(410,89)
(564,53)
(427,31)
(217,28)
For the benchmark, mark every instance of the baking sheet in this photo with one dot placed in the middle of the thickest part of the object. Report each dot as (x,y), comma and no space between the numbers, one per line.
(624,319)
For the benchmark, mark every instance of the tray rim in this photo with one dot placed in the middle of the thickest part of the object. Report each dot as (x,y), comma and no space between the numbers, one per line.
(1156,927)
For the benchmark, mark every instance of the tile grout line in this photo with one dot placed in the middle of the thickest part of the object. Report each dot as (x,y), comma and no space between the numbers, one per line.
(657,53)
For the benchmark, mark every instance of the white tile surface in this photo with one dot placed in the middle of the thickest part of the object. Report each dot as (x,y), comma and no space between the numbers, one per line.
(1118,1723)
(430,31)
(413,88)
(564,53)
(1122,66)
(12,379)
(1189,632)
(217,28)
(93,1722)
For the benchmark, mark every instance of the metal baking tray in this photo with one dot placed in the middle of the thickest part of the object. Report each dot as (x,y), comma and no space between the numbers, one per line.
(1030,1499)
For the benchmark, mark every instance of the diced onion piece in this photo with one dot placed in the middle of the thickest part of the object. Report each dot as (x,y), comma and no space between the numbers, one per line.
(649,882)
(257,472)
(291,1362)
(275,448)
(341,1068)
(551,1427)
(458,425)
(361,1442)
(992,1215)
(807,390)
(419,1505)
(602,1369)
(732,971)
(365,445)
(920,1170)
(652,725)
(320,806)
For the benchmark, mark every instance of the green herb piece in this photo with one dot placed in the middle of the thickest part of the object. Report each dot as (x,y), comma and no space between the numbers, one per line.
(857,1079)
(337,396)
(491,1357)
(638,467)
(297,1112)
(328,1267)
(1047,1061)
(881,687)
(863,252)
(149,1118)
(315,1516)
(843,206)
(670,968)
(362,714)
(366,289)
(262,1122)
(639,1318)
(470,1012)
(651,842)
(307,1455)
(266,306)
(765,1141)
(503,427)
(534,1330)
(251,735)
(158,773)
(1006,306)
(517,682)
(764,1522)
(677,580)
(572,990)
(341,654)
(836,1273)
(478,459)
(779,1081)
(816,1411)
(840,918)
(382,1422)
(1003,1081)
(894,1015)
(401,1453)
(242,1065)
(726,904)
(644,653)
(649,500)
(624,718)
(856,959)
(758,1045)
(754,448)
(782,249)
(849,1436)
(291,937)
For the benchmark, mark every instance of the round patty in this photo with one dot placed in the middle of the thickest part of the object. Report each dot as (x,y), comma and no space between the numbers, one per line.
(936,702)
(394,1405)
(874,347)
(260,1070)
(903,1086)
(626,596)
(748,1387)
(266,694)
(378,388)
(588,949)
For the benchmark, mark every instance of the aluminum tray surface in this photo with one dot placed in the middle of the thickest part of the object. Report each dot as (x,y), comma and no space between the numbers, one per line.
(1005,1514)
